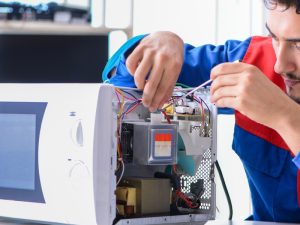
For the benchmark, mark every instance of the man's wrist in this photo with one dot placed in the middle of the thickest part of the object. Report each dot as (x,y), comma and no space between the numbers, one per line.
(288,127)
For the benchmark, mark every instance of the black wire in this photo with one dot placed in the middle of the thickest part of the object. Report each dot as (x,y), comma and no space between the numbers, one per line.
(209,113)
(132,104)
(127,92)
(225,189)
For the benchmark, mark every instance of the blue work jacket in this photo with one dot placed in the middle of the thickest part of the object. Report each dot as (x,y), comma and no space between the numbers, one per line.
(273,178)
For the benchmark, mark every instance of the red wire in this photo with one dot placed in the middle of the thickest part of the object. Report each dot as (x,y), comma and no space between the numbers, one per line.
(186,200)
(119,145)
(174,168)
(133,107)
(167,117)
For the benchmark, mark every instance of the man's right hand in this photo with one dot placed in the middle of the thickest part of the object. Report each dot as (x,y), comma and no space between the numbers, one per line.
(155,64)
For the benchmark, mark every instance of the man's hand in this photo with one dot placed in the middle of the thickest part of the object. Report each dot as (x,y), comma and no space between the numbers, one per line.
(245,88)
(155,64)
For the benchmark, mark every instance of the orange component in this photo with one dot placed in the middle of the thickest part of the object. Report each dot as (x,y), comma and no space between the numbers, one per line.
(163,137)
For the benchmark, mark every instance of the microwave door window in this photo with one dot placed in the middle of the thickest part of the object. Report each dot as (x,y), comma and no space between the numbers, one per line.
(17,151)
(20,124)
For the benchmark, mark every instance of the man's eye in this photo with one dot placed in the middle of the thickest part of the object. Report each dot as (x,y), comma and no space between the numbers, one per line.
(297,45)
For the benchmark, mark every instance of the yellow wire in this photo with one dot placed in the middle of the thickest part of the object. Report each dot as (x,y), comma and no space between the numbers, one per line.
(119,117)
(121,103)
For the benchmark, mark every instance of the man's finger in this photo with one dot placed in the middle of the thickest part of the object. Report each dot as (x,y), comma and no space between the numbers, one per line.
(134,59)
(224,92)
(166,85)
(224,80)
(228,102)
(227,68)
(142,71)
(152,83)
(166,97)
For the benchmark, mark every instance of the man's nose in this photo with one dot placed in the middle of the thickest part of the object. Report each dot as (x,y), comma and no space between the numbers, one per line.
(285,60)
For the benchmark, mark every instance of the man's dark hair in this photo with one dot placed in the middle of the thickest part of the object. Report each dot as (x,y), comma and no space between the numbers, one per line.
(271,4)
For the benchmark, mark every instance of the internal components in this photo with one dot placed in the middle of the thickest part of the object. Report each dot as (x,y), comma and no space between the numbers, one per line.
(126,201)
(149,144)
(194,117)
(193,108)
(170,151)
(190,201)
(127,142)
(144,196)
(191,133)
(183,202)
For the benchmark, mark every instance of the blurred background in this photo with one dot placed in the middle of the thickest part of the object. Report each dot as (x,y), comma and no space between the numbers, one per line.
(71,41)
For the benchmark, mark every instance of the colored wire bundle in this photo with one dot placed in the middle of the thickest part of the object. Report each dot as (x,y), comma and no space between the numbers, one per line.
(131,103)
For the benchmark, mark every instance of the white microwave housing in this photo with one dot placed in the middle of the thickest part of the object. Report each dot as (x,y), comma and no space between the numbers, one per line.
(75,159)
(66,172)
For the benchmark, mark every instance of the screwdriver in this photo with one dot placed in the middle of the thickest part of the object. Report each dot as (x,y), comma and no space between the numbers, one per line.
(187,94)
(192,91)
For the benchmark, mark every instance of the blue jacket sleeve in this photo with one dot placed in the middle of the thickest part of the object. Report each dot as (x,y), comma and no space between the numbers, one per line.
(122,77)
(198,61)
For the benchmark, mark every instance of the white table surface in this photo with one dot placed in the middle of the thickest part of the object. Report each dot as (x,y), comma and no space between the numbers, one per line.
(213,222)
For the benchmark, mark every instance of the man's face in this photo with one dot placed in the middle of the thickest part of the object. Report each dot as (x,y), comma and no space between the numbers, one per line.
(284,28)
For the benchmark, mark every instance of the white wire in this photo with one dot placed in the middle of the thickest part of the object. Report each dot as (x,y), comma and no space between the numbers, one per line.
(122,173)
(189,93)
(117,210)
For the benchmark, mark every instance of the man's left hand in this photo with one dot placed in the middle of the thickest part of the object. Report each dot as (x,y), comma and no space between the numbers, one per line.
(245,88)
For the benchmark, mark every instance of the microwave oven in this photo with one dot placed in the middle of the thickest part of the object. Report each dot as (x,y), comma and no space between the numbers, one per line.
(60,151)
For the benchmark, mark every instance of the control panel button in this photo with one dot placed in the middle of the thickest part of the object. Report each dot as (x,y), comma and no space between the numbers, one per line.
(77,133)
(79,170)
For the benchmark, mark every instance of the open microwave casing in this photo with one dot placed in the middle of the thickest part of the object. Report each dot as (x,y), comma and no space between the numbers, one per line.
(68,174)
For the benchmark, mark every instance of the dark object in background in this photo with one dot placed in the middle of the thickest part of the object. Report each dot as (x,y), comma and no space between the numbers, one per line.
(20,11)
(33,58)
